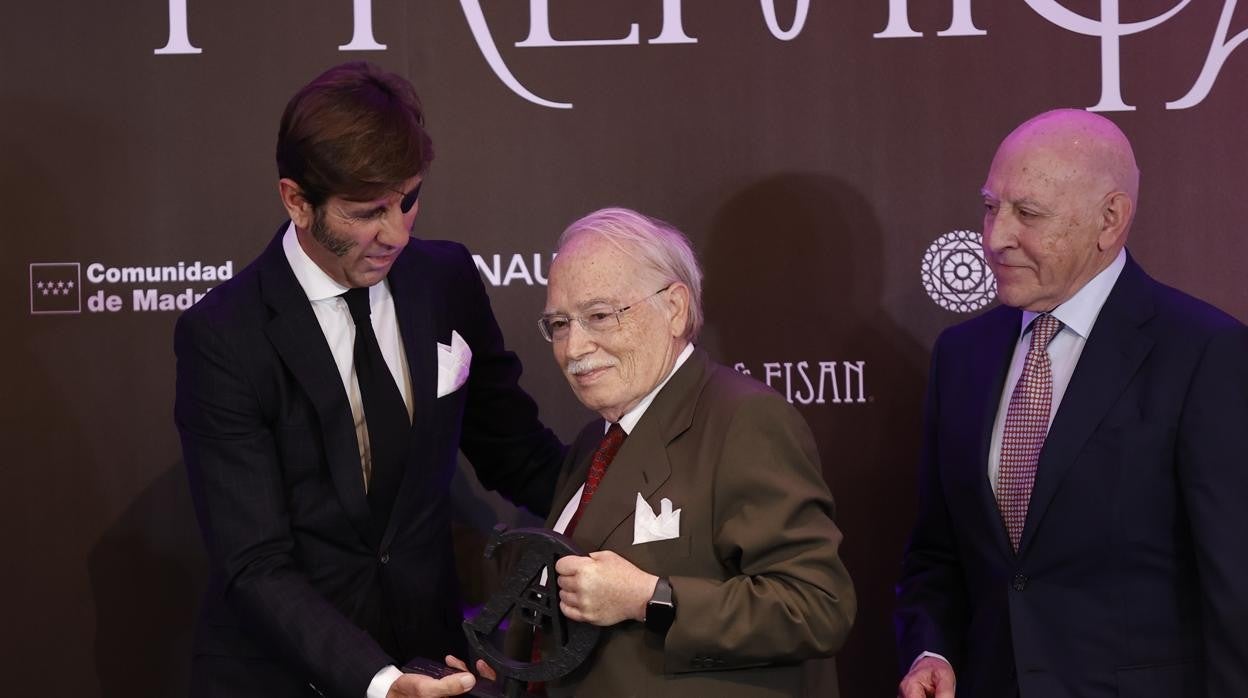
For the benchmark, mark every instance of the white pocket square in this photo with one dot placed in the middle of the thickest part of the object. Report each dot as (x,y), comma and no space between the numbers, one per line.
(453,363)
(648,527)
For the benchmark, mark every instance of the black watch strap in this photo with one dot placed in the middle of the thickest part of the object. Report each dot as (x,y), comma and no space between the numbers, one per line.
(661,609)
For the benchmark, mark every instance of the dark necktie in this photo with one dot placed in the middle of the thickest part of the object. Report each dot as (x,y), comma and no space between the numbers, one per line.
(385,414)
(605,453)
(1026,426)
(607,448)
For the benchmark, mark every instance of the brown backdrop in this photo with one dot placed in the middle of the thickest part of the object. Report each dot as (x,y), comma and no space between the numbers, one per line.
(812,150)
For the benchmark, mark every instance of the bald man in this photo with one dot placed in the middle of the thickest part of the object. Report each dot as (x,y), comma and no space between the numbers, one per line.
(1083,494)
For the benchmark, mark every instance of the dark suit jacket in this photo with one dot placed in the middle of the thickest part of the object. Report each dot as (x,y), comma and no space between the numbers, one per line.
(300,591)
(755,573)
(1132,573)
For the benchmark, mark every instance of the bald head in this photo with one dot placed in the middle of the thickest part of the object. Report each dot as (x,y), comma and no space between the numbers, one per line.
(1095,151)
(1059,201)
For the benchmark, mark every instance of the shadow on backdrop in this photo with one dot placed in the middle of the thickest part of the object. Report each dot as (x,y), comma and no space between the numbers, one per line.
(132,579)
(147,573)
(793,274)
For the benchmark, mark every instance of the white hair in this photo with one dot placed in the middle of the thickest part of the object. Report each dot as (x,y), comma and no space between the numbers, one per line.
(656,244)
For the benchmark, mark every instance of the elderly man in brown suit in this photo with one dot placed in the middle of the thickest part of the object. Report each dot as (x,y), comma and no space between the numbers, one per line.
(715,567)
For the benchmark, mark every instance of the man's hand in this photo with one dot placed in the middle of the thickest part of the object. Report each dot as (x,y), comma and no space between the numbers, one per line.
(603,589)
(930,677)
(485,670)
(421,686)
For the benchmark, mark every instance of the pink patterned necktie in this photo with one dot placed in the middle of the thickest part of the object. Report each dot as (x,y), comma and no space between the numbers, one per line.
(607,448)
(1026,425)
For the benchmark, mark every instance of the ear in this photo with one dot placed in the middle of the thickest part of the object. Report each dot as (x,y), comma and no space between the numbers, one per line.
(676,303)
(297,207)
(1116,214)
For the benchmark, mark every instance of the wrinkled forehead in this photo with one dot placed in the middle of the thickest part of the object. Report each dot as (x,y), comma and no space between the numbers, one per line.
(591,271)
(1032,167)
(1069,153)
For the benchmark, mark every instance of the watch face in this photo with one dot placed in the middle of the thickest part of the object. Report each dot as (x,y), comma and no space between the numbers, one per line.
(659,616)
(661,609)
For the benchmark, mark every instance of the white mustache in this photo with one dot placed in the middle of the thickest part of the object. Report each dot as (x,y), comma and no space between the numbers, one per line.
(578,366)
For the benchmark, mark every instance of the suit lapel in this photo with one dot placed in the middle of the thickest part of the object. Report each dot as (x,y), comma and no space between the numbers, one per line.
(1111,356)
(413,306)
(575,469)
(642,465)
(299,341)
(991,364)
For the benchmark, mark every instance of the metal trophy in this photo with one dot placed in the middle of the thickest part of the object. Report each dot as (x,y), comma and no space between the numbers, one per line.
(525,599)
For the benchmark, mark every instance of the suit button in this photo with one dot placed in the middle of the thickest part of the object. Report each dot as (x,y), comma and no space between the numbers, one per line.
(385,558)
(1020,582)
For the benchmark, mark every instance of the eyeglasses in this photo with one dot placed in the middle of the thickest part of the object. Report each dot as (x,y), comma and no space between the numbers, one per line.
(555,327)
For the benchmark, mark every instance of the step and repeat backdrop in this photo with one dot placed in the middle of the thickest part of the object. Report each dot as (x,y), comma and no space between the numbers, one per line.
(825,158)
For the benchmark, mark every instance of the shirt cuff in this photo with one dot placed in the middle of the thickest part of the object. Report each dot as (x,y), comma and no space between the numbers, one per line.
(916,661)
(382,681)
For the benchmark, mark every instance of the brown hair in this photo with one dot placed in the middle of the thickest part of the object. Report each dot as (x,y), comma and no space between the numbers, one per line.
(354,131)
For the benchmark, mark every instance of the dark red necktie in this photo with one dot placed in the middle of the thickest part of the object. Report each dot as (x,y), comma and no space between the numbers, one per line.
(607,448)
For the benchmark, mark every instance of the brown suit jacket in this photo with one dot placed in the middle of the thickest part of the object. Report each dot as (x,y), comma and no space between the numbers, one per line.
(755,573)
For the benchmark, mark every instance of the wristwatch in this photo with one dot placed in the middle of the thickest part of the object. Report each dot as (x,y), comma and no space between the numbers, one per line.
(661,608)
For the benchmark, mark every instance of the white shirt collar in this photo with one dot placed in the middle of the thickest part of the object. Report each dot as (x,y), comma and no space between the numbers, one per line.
(315,282)
(629,421)
(1080,312)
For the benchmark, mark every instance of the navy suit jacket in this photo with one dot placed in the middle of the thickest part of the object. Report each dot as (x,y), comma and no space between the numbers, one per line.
(1132,574)
(303,596)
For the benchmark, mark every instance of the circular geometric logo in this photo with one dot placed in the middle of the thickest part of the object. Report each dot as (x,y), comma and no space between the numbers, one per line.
(955,273)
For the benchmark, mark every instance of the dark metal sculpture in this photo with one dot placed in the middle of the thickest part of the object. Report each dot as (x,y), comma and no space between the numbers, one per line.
(524,598)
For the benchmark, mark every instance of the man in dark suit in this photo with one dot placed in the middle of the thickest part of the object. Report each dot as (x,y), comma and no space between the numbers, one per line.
(715,567)
(1084,478)
(322,397)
